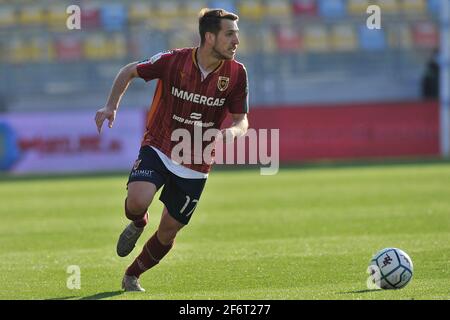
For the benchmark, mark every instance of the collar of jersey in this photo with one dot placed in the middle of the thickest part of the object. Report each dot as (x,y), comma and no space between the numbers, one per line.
(194,59)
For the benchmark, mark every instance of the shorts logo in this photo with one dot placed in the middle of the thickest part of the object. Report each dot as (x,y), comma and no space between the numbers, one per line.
(222,83)
(136,164)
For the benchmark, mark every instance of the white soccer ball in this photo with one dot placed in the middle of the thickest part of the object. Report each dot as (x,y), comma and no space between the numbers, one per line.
(390,268)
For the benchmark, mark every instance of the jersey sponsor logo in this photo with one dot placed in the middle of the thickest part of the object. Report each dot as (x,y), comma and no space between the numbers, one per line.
(222,83)
(195,116)
(197,98)
(194,122)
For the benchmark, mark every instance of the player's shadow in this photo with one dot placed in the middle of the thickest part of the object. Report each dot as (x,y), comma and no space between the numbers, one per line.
(103,295)
(361,291)
(62,298)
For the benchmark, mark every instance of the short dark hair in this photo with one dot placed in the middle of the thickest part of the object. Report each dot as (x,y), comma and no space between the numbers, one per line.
(209,21)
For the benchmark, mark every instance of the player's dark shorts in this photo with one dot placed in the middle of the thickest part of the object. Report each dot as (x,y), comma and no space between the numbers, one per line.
(179,195)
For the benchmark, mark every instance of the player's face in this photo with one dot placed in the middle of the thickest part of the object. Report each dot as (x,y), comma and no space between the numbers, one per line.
(226,41)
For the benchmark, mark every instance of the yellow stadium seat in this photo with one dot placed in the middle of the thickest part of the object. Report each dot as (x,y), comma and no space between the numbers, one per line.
(269,43)
(413,7)
(17,51)
(181,39)
(357,7)
(278,9)
(389,6)
(251,9)
(163,24)
(169,9)
(118,46)
(56,17)
(243,48)
(40,50)
(316,38)
(34,53)
(95,47)
(140,11)
(400,37)
(255,42)
(192,8)
(31,15)
(167,15)
(250,43)
(343,38)
(50,50)
(7,16)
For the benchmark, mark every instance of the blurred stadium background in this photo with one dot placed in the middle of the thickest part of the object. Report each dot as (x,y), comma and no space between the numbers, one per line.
(300,55)
(336,91)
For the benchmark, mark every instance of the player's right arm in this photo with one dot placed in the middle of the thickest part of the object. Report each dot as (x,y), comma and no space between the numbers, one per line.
(149,69)
(120,85)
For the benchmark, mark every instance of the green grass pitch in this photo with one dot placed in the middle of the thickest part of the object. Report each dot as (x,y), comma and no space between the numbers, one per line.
(305,233)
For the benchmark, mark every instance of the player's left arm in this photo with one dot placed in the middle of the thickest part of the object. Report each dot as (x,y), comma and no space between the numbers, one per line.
(238,108)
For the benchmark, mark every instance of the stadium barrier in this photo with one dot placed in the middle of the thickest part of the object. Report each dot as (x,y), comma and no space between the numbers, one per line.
(68,141)
(367,130)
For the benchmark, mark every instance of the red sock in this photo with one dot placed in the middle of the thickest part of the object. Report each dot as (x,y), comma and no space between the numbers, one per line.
(150,256)
(139,220)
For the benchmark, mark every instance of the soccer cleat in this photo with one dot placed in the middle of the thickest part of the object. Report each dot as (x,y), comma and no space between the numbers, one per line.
(131,283)
(127,239)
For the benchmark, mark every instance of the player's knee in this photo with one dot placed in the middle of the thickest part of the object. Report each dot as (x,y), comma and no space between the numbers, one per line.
(137,205)
(139,197)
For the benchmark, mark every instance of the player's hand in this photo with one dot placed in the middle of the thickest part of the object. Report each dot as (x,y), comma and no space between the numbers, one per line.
(103,114)
(227,135)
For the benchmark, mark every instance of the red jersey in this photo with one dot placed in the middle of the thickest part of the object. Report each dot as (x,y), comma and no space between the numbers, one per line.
(183,101)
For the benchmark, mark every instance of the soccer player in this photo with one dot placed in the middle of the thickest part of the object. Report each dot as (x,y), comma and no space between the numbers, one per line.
(197,88)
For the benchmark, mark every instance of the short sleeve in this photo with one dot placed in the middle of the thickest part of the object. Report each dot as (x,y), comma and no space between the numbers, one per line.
(239,96)
(154,67)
